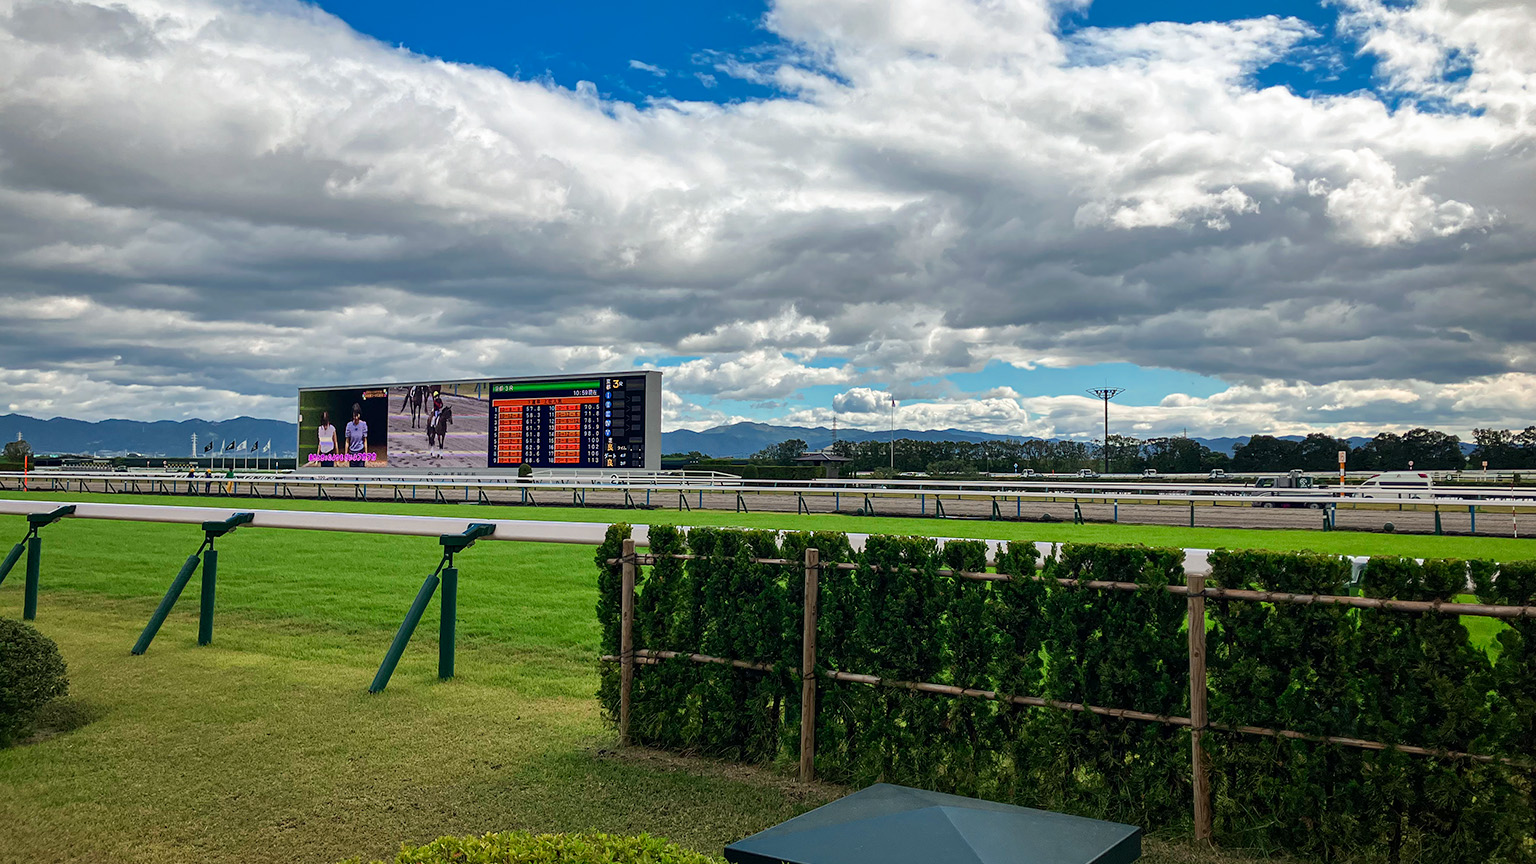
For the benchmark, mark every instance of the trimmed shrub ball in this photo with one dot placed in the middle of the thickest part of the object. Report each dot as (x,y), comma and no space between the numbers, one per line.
(32,674)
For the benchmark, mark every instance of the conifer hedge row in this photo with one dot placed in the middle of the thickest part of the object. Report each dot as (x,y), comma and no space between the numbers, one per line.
(1377,675)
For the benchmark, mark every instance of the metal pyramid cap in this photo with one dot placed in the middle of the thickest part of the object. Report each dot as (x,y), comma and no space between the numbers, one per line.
(898,825)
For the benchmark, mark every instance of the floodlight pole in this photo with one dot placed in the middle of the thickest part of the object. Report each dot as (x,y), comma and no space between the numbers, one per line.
(1106,393)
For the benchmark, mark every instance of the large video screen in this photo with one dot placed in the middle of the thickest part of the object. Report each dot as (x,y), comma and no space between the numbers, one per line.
(600,421)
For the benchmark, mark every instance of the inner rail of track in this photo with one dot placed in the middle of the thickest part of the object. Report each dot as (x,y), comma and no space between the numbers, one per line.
(437,487)
(516,530)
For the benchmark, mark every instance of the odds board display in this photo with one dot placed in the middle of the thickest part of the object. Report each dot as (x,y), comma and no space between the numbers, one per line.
(592,423)
(598,421)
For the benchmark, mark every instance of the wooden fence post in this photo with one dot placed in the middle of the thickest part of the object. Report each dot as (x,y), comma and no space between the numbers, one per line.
(808,666)
(626,639)
(1197,700)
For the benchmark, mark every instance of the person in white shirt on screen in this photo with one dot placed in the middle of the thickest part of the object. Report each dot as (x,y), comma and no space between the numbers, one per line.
(357,437)
(327,445)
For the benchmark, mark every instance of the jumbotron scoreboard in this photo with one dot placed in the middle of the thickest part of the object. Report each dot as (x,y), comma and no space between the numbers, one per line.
(599,421)
(584,423)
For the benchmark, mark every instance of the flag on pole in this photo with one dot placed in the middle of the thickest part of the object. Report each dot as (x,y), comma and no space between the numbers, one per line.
(242,444)
(229,446)
(209,447)
(268,448)
(255,445)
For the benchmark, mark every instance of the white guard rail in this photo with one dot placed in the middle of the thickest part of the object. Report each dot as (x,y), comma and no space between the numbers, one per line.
(1196,561)
(1139,493)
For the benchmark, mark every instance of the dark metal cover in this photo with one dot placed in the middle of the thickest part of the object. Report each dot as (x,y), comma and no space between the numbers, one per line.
(888,824)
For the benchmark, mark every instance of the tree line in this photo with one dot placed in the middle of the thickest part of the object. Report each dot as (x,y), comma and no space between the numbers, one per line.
(1420,449)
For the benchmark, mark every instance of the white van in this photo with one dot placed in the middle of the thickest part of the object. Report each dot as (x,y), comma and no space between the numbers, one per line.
(1396,484)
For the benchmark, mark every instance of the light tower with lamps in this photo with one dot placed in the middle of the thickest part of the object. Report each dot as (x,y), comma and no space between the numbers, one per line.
(1106,393)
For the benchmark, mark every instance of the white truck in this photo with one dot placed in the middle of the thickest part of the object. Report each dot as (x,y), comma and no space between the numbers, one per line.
(1395,484)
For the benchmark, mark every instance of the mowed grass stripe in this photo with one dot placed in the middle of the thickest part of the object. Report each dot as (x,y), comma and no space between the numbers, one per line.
(243,752)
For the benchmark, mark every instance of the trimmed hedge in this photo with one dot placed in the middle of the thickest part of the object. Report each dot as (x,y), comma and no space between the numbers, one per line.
(1402,678)
(895,617)
(521,847)
(31,674)
(1399,678)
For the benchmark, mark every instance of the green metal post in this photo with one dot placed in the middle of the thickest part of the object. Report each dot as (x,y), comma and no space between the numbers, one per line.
(1191,515)
(1437,521)
(166,603)
(205,615)
(403,635)
(450,611)
(11,559)
(34,561)
(1471,509)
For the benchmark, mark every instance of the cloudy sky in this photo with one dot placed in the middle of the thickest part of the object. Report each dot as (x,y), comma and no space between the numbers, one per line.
(1254,216)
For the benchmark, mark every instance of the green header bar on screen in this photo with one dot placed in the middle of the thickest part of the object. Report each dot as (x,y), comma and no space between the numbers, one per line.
(546,385)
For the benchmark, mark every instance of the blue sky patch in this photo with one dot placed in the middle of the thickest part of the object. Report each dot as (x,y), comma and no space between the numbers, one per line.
(632,51)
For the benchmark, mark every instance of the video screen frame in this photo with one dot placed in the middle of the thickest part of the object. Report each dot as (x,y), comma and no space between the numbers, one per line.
(398,433)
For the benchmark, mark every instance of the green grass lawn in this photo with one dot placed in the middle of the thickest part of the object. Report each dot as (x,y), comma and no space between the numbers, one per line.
(266,746)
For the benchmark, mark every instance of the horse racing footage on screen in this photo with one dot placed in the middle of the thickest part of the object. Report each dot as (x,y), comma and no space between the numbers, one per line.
(589,421)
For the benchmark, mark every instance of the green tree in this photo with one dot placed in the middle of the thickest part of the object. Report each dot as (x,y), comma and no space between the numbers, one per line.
(1425,448)
(782,453)
(1266,453)
(15,451)
(1434,450)
(1125,456)
(1181,456)
(1320,452)
(951,468)
(1503,449)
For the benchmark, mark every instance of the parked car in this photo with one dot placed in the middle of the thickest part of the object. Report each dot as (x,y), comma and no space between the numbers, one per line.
(1396,484)
(1291,485)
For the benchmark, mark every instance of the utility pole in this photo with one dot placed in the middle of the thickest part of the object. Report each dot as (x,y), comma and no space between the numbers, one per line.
(1106,393)
(194,445)
(893,433)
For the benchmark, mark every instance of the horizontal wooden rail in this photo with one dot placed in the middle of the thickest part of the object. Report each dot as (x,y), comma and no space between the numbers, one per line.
(1364,745)
(648,657)
(1440,607)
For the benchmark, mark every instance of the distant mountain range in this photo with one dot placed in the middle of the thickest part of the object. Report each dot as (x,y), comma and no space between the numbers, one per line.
(158,438)
(743,439)
(174,438)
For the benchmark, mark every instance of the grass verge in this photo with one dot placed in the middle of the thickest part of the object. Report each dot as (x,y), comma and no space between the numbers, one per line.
(265,745)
